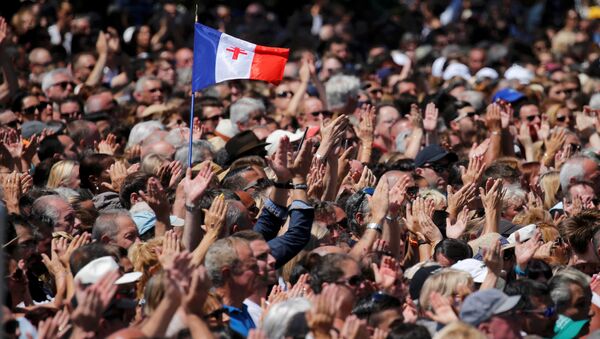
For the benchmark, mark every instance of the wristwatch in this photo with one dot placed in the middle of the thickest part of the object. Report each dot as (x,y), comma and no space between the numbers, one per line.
(300,186)
(374,226)
(192,208)
(285,185)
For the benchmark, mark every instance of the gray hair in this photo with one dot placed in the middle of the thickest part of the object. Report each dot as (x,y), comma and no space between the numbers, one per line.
(139,85)
(198,148)
(48,79)
(219,255)
(66,193)
(142,130)
(241,109)
(178,137)
(233,216)
(106,223)
(339,88)
(514,195)
(572,169)
(279,316)
(44,210)
(559,286)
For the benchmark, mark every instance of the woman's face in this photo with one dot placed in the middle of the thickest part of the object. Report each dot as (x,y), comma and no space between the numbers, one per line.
(73,180)
(457,298)
(143,36)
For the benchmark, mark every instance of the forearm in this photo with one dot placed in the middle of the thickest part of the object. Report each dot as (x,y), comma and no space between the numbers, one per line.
(321,90)
(292,108)
(158,322)
(365,151)
(200,252)
(595,141)
(192,232)
(414,143)
(424,252)
(431,138)
(493,152)
(490,281)
(492,219)
(279,196)
(96,75)
(391,234)
(331,180)
(508,148)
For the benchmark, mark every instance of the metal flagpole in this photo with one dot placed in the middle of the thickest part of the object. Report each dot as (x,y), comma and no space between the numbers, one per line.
(191,141)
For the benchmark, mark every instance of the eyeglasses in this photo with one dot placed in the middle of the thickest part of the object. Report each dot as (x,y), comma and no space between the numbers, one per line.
(438,168)
(216,314)
(285,94)
(411,192)
(575,148)
(531,118)
(64,84)
(214,118)
(326,114)
(353,281)
(561,118)
(39,107)
(547,313)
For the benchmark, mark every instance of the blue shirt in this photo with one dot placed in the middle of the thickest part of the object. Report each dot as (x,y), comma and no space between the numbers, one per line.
(240,320)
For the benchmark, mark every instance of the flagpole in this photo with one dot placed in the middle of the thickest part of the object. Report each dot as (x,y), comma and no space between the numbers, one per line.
(191,141)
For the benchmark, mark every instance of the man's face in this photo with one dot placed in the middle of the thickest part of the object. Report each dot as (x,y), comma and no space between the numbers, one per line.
(313,111)
(348,284)
(530,115)
(535,321)
(283,96)
(255,118)
(502,327)
(32,110)
(245,273)
(436,174)
(405,87)
(557,93)
(265,261)
(166,72)
(69,111)
(386,118)
(583,192)
(476,60)
(184,58)
(580,304)
(70,151)
(152,93)
(340,50)
(467,124)
(127,234)
(85,65)
(66,216)
(62,86)
(211,115)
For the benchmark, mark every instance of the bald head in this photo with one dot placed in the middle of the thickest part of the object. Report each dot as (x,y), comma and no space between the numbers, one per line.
(101,102)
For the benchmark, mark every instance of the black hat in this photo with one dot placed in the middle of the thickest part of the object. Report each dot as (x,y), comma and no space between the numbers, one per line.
(417,281)
(433,153)
(244,143)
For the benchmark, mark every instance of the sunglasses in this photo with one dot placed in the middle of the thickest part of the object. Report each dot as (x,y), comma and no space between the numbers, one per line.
(561,118)
(531,118)
(63,84)
(216,314)
(575,148)
(326,114)
(412,192)
(547,313)
(36,108)
(213,118)
(285,94)
(437,167)
(353,281)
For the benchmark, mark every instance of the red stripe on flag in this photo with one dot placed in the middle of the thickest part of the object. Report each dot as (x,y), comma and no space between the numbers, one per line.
(268,63)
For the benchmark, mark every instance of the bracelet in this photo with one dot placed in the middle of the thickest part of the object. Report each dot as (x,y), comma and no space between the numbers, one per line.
(520,272)
(191,208)
(300,187)
(374,226)
(495,133)
(283,185)
(422,242)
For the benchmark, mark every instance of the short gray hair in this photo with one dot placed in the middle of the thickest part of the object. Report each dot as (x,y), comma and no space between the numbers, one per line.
(241,109)
(560,290)
(572,169)
(142,130)
(44,210)
(178,137)
(279,316)
(139,85)
(198,148)
(339,88)
(219,255)
(106,224)
(514,195)
(48,79)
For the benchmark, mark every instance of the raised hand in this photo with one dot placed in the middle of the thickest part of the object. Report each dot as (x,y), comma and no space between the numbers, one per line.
(461,198)
(555,141)
(101,44)
(524,250)
(492,258)
(214,217)
(109,144)
(53,263)
(12,191)
(321,316)
(380,202)
(156,197)
(26,183)
(478,150)
(54,327)
(3,30)
(398,194)
(367,179)
(117,173)
(454,231)
(473,173)
(278,162)
(442,311)
(194,188)
(354,328)
(493,118)
(171,246)
(366,125)
(386,274)
(193,300)
(491,196)
(66,251)
(431,117)
(331,134)
(416,117)
(316,179)
(428,228)
(93,301)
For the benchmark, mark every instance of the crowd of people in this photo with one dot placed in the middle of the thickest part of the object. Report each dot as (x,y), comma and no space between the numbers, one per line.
(425,169)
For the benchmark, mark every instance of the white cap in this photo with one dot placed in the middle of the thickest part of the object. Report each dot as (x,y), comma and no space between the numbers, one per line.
(474,267)
(525,233)
(98,268)
(437,68)
(275,136)
(456,70)
(487,72)
(399,58)
(520,73)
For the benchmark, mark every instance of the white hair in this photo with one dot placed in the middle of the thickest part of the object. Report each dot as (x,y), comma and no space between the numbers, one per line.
(514,195)
(241,109)
(48,79)
(198,148)
(178,137)
(339,88)
(572,169)
(142,130)
(139,85)
(277,320)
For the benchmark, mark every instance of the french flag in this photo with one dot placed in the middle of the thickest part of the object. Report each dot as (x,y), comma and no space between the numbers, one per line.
(219,57)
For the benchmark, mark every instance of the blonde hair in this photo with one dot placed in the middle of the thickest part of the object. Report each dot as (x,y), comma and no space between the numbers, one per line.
(552,113)
(60,173)
(532,216)
(550,184)
(446,282)
(432,194)
(144,258)
(459,330)
(152,163)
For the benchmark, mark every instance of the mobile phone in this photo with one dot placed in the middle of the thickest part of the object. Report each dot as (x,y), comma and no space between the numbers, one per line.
(302,140)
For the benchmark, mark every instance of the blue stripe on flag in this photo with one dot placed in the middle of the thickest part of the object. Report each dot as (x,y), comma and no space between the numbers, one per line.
(206,41)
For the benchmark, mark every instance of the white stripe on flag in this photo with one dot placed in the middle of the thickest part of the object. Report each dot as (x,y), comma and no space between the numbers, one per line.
(234,58)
